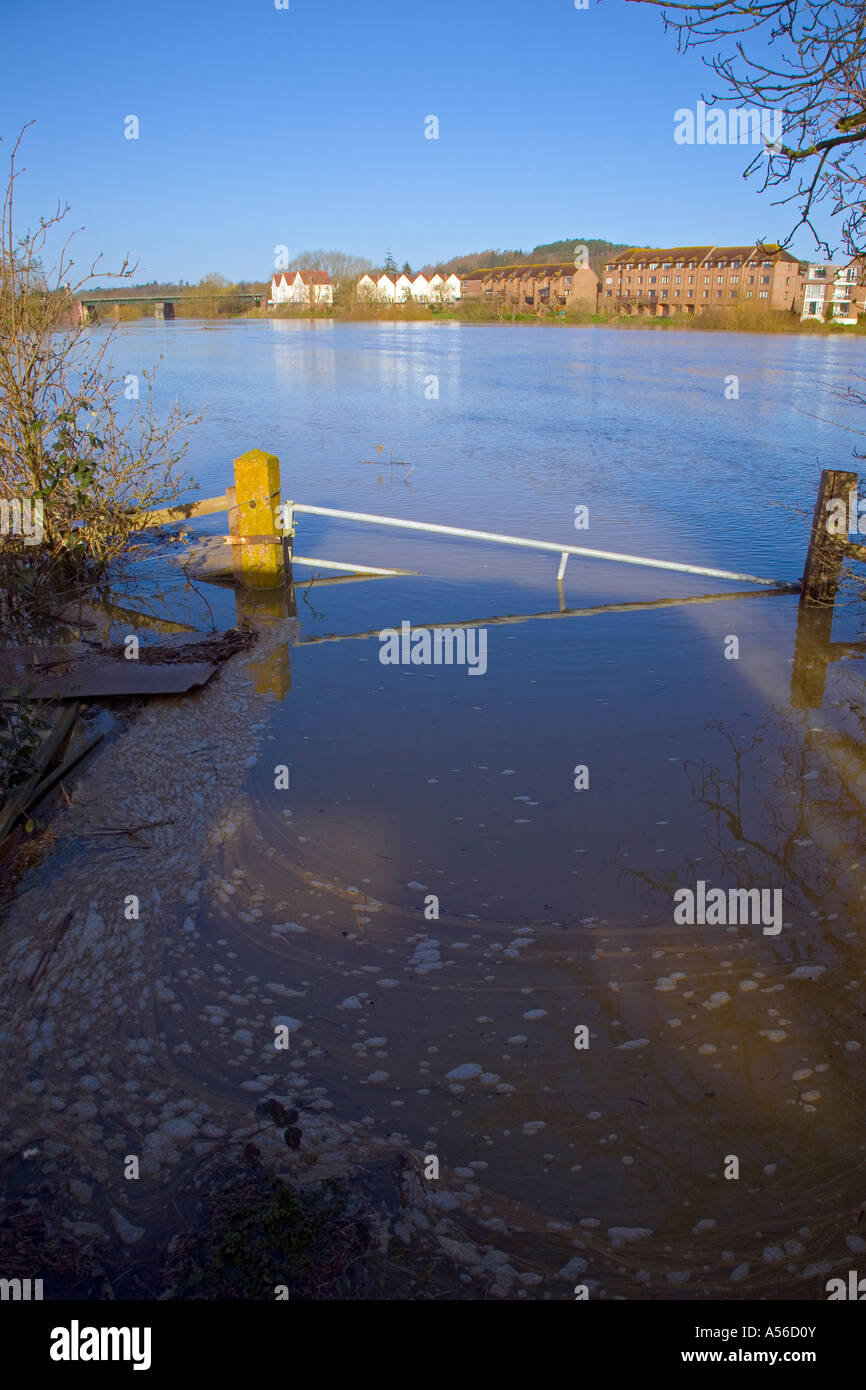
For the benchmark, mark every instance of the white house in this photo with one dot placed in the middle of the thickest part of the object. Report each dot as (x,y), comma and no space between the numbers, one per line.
(386,287)
(444,287)
(452,287)
(833,292)
(398,288)
(308,287)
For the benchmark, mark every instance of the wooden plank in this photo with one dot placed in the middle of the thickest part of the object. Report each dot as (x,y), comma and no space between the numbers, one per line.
(19,663)
(57,775)
(44,756)
(186,511)
(97,679)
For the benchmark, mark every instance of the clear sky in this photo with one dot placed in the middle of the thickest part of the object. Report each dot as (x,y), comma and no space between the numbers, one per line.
(305,127)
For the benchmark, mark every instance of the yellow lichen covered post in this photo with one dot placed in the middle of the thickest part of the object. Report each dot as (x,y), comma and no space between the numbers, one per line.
(257,489)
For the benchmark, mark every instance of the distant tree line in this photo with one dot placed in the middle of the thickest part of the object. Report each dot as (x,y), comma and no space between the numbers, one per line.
(344,269)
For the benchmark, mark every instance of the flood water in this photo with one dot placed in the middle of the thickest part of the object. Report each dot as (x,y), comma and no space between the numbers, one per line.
(708,1140)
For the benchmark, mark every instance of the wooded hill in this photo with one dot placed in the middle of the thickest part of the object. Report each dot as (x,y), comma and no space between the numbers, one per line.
(546,253)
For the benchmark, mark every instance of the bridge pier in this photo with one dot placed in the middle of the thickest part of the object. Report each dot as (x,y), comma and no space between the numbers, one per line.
(163,310)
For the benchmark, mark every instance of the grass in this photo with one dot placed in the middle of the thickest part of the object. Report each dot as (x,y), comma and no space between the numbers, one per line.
(732,320)
(263,1234)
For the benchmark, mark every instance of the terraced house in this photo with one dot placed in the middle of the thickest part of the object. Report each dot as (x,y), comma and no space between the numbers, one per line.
(534,288)
(400,288)
(691,279)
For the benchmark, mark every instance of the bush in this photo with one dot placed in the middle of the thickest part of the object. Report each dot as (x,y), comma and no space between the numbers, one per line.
(64,449)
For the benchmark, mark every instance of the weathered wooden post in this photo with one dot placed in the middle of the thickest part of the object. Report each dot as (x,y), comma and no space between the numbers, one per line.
(257,541)
(829,536)
(235,535)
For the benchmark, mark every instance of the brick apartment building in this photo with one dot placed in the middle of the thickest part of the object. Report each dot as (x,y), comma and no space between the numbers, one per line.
(534,288)
(691,279)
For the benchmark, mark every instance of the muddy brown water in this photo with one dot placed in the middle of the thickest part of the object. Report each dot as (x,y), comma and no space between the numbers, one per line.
(610,1165)
(456,1035)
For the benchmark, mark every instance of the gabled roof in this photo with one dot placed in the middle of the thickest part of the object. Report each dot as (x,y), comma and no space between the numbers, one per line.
(309,277)
(539,270)
(700,253)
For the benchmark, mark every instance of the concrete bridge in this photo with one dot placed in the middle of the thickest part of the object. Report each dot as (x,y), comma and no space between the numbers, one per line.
(163,304)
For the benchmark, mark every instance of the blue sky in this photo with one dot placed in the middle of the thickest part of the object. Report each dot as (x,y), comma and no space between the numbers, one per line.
(305,127)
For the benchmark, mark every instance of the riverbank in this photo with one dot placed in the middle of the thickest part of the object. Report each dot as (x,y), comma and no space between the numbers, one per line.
(474,312)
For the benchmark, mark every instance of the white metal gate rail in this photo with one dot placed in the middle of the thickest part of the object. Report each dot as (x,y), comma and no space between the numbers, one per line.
(563,550)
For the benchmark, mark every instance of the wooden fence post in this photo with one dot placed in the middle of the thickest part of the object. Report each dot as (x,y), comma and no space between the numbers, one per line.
(827,546)
(234,534)
(259,542)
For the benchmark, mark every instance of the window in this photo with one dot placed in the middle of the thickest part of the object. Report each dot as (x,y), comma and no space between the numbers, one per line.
(720,265)
(666,265)
(720,279)
(653,279)
(735,279)
(719,294)
(844,308)
(653,265)
(763,294)
(691,279)
(813,306)
(608,293)
(733,294)
(676,294)
(748,294)
(706,294)
(569,278)
(735,265)
(609,280)
(665,294)
(666,279)
(679,265)
(751,279)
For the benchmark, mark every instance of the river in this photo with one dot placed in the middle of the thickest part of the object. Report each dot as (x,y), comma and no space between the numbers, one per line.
(700,1138)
